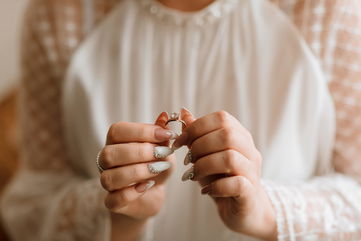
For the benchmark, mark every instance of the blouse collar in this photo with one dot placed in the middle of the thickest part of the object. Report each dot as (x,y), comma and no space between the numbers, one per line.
(213,12)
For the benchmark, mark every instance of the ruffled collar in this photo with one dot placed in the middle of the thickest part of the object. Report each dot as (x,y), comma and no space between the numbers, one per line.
(212,13)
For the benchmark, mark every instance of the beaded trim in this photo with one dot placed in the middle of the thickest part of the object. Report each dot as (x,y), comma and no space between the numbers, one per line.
(215,11)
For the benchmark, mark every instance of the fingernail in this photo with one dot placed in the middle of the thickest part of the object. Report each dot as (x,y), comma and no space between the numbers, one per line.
(184,111)
(186,115)
(188,175)
(206,190)
(162,151)
(158,167)
(180,141)
(142,187)
(188,158)
(164,135)
(162,119)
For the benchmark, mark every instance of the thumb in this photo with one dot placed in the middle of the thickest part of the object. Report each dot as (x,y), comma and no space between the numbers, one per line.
(188,119)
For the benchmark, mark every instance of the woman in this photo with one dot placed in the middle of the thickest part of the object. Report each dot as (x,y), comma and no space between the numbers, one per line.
(145,57)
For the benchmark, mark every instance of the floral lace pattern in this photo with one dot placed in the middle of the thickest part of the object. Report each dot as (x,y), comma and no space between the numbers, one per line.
(211,13)
(49,200)
(328,208)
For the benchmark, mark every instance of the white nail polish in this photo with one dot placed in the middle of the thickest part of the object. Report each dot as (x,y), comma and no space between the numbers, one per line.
(162,152)
(149,185)
(188,158)
(158,167)
(173,135)
(188,175)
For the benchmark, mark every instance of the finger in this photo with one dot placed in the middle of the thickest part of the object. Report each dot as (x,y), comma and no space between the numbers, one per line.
(123,132)
(188,118)
(221,140)
(236,186)
(209,123)
(118,178)
(116,200)
(229,162)
(131,153)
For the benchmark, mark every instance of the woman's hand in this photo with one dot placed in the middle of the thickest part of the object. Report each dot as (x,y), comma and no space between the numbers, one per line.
(228,167)
(136,164)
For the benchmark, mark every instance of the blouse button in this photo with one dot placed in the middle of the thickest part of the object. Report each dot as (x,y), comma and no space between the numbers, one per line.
(153,9)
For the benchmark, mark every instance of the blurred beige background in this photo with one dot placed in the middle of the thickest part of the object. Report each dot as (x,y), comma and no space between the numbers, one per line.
(11,12)
(10,24)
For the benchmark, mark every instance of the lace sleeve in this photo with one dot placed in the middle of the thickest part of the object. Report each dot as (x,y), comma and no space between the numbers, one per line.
(329,208)
(48,199)
(324,209)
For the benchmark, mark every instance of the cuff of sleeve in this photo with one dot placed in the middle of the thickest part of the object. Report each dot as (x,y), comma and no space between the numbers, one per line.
(273,192)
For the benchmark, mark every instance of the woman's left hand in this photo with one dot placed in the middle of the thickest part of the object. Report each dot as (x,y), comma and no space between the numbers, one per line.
(228,167)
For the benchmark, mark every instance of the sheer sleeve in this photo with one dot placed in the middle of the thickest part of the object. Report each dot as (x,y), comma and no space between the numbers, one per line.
(48,199)
(329,207)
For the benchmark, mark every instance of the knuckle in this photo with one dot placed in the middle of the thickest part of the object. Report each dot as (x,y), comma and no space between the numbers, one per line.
(106,182)
(223,117)
(257,158)
(112,132)
(227,136)
(106,157)
(248,135)
(230,160)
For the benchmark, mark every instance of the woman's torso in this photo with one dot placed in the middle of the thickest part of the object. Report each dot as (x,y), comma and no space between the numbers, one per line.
(145,59)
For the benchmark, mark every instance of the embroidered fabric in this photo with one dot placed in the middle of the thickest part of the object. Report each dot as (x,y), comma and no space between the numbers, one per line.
(51,200)
(215,11)
(328,208)
(48,199)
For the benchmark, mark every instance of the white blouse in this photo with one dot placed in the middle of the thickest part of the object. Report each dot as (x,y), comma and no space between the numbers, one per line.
(241,56)
(246,44)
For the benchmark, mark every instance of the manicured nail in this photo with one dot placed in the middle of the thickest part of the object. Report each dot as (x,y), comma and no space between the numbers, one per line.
(142,187)
(206,189)
(180,141)
(158,167)
(184,111)
(162,119)
(165,135)
(188,158)
(188,175)
(162,151)
(186,115)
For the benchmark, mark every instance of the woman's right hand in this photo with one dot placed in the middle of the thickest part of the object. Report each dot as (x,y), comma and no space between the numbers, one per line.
(136,163)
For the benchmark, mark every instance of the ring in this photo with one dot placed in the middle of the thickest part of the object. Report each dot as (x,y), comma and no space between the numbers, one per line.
(175,117)
(100,168)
